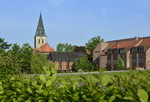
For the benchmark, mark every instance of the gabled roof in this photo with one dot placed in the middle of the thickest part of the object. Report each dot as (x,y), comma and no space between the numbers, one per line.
(44,49)
(124,44)
(40,28)
(64,56)
(145,42)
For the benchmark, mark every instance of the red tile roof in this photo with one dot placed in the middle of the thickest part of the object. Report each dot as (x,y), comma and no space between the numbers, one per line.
(124,44)
(44,49)
(145,42)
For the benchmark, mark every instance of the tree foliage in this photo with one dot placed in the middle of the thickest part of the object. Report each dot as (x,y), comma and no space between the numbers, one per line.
(10,60)
(26,54)
(65,47)
(39,62)
(92,43)
(120,64)
(83,63)
(128,87)
(3,44)
(15,59)
(80,49)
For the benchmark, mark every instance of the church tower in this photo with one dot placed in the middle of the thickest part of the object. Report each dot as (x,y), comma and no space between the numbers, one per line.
(40,36)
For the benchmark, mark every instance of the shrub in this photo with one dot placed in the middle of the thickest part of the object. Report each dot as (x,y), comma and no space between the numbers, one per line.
(129,87)
(120,64)
(39,62)
(83,63)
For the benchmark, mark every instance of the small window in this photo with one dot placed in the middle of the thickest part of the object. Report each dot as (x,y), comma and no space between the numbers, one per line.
(42,41)
(109,52)
(39,41)
(115,51)
(133,50)
(122,51)
(141,50)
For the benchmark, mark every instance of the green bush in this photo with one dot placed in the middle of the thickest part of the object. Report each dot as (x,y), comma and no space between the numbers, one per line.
(120,64)
(130,87)
(83,63)
(39,62)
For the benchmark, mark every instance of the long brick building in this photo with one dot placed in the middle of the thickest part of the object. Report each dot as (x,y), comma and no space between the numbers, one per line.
(134,51)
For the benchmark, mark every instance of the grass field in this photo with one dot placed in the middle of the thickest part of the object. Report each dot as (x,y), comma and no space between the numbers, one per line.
(78,77)
(91,76)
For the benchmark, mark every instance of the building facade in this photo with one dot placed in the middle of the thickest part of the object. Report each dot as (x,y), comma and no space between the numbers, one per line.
(135,53)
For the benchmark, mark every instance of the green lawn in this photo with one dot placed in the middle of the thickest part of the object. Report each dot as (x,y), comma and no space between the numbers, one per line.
(78,77)
(91,76)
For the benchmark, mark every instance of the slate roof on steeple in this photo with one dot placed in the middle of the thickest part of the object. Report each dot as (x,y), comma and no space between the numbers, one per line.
(40,28)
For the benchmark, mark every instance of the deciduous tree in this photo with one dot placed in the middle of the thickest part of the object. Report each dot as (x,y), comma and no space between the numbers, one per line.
(26,54)
(65,47)
(39,62)
(83,63)
(92,44)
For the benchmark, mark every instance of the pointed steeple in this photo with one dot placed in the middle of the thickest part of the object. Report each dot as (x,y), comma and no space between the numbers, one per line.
(40,28)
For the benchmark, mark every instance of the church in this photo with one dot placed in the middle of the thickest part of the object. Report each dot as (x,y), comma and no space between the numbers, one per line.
(40,43)
(64,60)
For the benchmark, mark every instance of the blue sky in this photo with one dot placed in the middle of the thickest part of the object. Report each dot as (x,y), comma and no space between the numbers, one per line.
(74,21)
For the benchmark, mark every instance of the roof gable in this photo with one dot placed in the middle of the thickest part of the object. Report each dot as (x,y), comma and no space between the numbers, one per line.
(44,49)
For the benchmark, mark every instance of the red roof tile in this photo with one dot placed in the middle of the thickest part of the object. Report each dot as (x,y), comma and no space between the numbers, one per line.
(124,44)
(44,49)
(145,42)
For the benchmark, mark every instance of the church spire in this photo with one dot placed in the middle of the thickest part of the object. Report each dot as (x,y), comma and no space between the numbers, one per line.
(40,28)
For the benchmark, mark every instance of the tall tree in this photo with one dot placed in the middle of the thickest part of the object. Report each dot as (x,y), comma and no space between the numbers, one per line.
(10,61)
(92,44)
(80,49)
(39,62)
(83,63)
(65,47)
(26,54)
(4,45)
(15,57)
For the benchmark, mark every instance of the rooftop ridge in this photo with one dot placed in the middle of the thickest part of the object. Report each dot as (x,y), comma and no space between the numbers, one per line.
(129,39)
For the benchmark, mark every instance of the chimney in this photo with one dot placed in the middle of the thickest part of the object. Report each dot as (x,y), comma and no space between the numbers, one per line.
(136,38)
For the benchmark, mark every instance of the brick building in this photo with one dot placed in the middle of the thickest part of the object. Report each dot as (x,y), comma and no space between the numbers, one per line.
(135,53)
